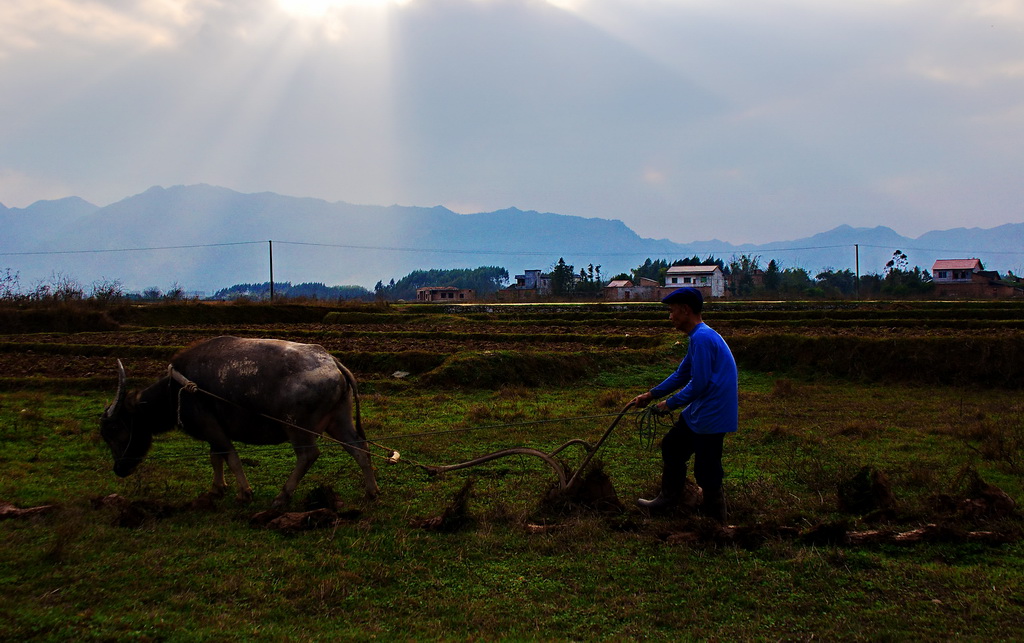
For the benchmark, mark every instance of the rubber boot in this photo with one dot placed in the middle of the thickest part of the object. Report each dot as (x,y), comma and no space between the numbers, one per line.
(663,502)
(672,486)
(714,506)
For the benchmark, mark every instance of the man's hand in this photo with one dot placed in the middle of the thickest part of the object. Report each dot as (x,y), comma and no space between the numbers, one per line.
(662,408)
(642,400)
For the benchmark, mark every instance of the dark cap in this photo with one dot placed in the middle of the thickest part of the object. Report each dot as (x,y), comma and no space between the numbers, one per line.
(689,296)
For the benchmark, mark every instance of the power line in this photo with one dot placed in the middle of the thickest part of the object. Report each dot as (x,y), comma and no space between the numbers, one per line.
(105,250)
(974,252)
(638,253)
(435,250)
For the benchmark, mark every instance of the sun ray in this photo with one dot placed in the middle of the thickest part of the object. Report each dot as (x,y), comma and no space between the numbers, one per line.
(320,8)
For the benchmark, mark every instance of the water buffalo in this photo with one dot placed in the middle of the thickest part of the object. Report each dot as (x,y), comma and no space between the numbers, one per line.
(255,391)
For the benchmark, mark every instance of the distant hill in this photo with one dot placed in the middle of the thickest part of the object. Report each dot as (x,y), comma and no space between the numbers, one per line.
(345,244)
(25,225)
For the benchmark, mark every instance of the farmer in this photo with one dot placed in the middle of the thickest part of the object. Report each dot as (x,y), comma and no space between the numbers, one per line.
(706,389)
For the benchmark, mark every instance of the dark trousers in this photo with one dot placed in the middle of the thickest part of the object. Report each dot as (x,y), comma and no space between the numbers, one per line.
(706,448)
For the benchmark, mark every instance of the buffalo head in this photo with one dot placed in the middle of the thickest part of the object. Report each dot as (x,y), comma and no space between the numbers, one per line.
(128,444)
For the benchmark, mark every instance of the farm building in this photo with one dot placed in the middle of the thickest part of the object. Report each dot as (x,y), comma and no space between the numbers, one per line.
(530,286)
(446,294)
(534,280)
(968,278)
(955,271)
(625,290)
(710,280)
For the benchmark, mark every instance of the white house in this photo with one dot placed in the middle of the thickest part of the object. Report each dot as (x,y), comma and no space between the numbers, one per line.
(710,280)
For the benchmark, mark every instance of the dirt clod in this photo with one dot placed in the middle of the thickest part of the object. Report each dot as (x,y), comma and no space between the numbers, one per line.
(867,492)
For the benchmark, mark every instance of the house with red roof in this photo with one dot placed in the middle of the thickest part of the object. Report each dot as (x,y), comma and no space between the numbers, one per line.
(955,271)
(625,290)
(968,278)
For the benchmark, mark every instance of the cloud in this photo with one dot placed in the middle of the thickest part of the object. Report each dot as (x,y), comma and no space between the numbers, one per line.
(32,24)
(758,120)
(20,190)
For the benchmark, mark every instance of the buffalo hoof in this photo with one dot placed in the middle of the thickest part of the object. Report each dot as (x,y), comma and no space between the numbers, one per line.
(217,491)
(280,502)
(244,496)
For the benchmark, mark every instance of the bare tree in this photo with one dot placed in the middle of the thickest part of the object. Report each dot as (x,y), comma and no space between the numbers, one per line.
(66,288)
(10,285)
(175,293)
(107,290)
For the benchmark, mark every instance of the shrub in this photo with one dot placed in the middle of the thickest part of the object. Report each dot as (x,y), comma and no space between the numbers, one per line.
(10,286)
(107,291)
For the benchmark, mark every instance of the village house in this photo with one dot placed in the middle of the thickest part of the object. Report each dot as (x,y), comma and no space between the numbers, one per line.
(531,286)
(955,271)
(968,278)
(625,290)
(446,294)
(709,280)
(534,280)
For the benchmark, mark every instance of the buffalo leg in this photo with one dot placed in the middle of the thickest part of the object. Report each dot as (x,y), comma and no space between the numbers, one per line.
(356,446)
(217,462)
(235,464)
(305,455)
(358,451)
(226,453)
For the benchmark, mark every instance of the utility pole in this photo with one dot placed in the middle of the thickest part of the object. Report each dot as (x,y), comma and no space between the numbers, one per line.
(271,245)
(856,281)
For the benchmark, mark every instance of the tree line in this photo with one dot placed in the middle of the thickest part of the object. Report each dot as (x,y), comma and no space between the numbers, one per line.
(747,278)
(484,280)
(745,275)
(309,290)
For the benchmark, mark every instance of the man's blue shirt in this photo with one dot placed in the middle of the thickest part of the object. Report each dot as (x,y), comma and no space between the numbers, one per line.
(709,381)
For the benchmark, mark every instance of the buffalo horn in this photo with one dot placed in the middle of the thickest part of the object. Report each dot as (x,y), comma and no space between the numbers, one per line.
(122,390)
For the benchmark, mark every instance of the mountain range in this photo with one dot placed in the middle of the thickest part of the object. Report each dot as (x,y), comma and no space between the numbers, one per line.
(203,238)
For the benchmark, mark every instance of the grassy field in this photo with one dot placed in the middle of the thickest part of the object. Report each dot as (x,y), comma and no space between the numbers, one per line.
(506,563)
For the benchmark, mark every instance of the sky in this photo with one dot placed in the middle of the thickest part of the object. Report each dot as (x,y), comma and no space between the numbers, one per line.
(747,121)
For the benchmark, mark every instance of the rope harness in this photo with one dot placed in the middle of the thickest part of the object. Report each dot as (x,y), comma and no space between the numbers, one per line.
(189,386)
(650,423)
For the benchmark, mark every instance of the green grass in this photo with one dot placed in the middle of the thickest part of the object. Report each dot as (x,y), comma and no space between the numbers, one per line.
(74,575)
